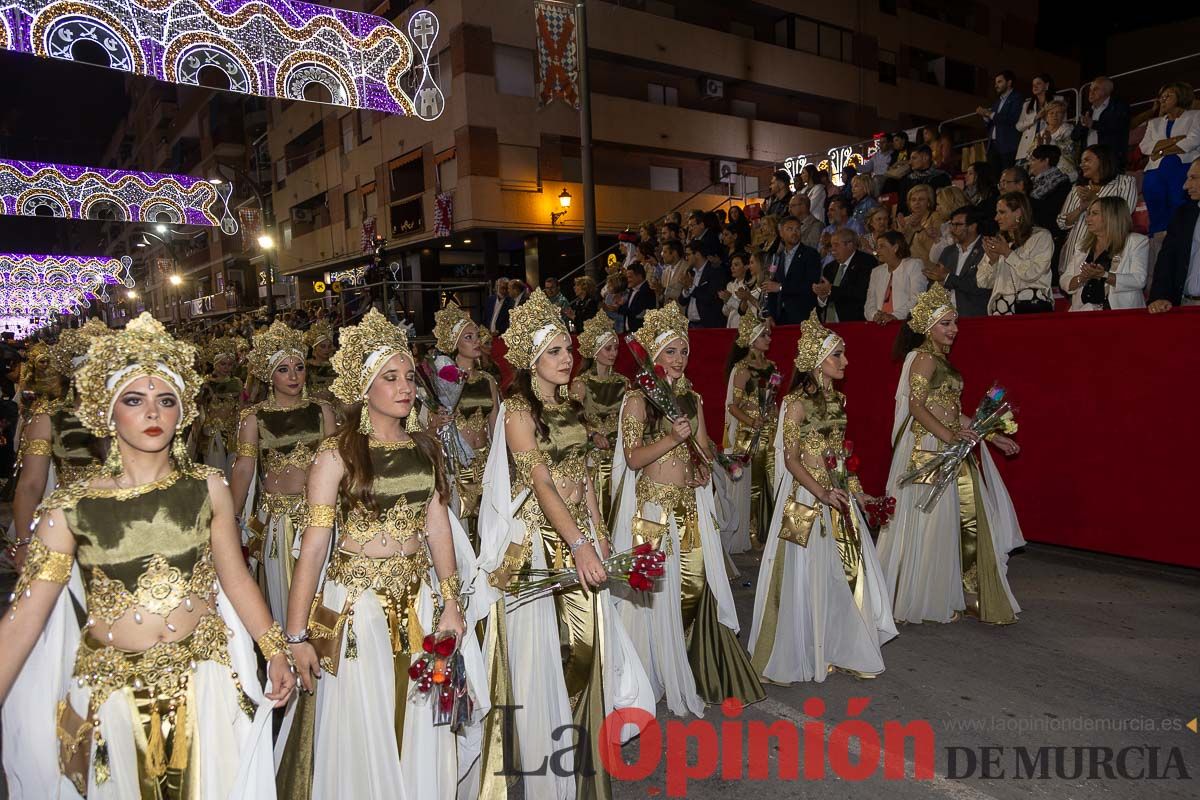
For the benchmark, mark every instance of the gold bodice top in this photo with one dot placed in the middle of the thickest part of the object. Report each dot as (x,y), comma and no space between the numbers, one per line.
(224,399)
(319,376)
(750,399)
(602,401)
(72,446)
(636,435)
(941,393)
(142,549)
(562,448)
(475,404)
(824,424)
(288,437)
(402,487)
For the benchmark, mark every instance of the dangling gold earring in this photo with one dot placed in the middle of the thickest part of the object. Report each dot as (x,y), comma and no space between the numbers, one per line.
(364,421)
(537,389)
(179,452)
(112,462)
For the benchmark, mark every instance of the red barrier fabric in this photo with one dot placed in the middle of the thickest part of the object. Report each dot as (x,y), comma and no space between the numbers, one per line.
(1106,403)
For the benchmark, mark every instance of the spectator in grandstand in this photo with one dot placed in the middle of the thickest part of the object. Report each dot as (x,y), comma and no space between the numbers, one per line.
(879,221)
(839,218)
(1107,269)
(613,298)
(877,165)
(496,307)
(669,232)
(862,196)
(518,292)
(737,218)
(1001,121)
(922,226)
(895,283)
(1098,178)
(1017,263)
(731,242)
(1177,271)
(700,298)
(638,300)
(1172,141)
(812,185)
(554,293)
(922,173)
(944,157)
(1050,186)
(1014,179)
(949,200)
(781,194)
(810,226)
(980,186)
(674,275)
(1106,122)
(797,270)
(957,264)
(733,305)
(1033,114)
(842,290)
(585,305)
(1058,133)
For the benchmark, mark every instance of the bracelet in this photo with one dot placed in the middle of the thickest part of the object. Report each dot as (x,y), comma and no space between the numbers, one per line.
(296,638)
(580,542)
(22,542)
(271,643)
(451,588)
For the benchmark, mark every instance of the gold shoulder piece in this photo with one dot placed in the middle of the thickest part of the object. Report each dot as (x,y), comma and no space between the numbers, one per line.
(327,444)
(516,405)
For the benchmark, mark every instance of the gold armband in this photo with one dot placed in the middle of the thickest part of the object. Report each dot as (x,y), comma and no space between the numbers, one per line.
(41,564)
(525,461)
(451,589)
(271,643)
(793,433)
(633,430)
(247,449)
(601,529)
(855,484)
(918,387)
(37,447)
(320,516)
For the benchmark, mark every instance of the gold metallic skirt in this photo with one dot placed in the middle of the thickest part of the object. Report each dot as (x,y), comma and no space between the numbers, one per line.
(980,564)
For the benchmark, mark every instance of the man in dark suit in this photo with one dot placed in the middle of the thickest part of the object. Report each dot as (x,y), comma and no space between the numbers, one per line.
(1106,122)
(1001,119)
(794,271)
(958,263)
(842,292)
(1177,271)
(641,298)
(701,305)
(496,307)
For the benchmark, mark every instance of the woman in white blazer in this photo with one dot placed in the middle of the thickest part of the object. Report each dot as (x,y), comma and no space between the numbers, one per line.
(1016,264)
(895,283)
(1172,142)
(1108,268)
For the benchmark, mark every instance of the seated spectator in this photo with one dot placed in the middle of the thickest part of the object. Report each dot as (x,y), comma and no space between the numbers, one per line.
(781,193)
(895,283)
(958,264)
(1050,185)
(639,299)
(585,305)
(862,195)
(551,289)
(700,299)
(674,218)
(849,173)
(1106,122)
(1108,268)
(613,298)
(1058,133)
(922,173)
(812,186)
(949,200)
(879,221)
(810,226)
(1032,120)
(981,189)
(669,232)
(1172,142)
(1099,178)
(922,226)
(1014,179)
(839,219)
(1016,266)
(1177,272)
(646,233)
(733,307)
(731,242)
(842,291)
(720,215)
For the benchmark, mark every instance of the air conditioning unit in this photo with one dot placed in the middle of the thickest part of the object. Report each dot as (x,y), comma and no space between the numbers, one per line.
(712,88)
(725,171)
(302,215)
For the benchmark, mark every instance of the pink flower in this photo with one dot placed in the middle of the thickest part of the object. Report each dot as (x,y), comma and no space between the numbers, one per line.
(450,373)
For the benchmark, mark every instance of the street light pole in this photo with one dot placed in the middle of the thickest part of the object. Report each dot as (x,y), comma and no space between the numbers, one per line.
(268,225)
(585,143)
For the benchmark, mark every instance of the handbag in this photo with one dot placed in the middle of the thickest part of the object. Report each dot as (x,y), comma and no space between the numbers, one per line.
(326,628)
(798,520)
(1028,301)
(645,530)
(74,745)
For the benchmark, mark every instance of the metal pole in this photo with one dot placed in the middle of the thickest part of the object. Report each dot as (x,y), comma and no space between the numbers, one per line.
(270,283)
(585,143)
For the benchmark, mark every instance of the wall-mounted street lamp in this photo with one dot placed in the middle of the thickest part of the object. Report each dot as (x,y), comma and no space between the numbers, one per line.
(564,200)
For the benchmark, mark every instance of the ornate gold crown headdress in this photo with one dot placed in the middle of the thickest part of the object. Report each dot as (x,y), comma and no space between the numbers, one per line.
(222,347)
(815,345)
(143,348)
(750,328)
(317,333)
(532,326)
(272,346)
(449,324)
(932,305)
(662,326)
(363,351)
(595,335)
(72,346)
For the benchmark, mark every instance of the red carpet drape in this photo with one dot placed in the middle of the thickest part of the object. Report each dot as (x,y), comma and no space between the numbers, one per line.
(1107,404)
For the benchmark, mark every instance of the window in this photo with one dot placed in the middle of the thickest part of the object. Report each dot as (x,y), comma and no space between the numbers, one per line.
(364,125)
(887,67)
(408,176)
(810,36)
(285,229)
(742,29)
(280,173)
(743,108)
(352,202)
(448,174)
(347,133)
(572,169)
(665,179)
(807,36)
(518,167)
(444,75)
(662,95)
(514,70)
(808,119)
(370,201)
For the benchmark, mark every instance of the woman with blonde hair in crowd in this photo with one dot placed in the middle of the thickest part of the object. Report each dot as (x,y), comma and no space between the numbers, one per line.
(922,226)
(1016,266)
(1108,268)
(878,222)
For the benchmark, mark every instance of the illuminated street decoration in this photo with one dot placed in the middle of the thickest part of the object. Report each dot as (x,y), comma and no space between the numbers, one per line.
(271,48)
(39,303)
(36,189)
(836,160)
(35,278)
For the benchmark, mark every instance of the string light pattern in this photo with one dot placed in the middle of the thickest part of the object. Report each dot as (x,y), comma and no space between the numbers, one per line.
(36,189)
(59,282)
(271,48)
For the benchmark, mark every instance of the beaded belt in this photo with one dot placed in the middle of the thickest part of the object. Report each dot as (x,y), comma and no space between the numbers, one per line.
(679,501)
(396,581)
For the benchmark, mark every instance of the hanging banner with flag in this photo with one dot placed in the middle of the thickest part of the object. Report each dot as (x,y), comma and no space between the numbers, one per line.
(557,56)
(368,234)
(443,214)
(251,226)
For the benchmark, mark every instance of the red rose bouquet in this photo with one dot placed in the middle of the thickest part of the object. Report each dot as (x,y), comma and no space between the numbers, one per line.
(638,566)
(440,675)
(652,380)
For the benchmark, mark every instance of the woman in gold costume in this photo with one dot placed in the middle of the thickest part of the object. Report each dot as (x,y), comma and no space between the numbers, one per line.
(686,632)
(56,448)
(569,662)
(157,692)
(821,601)
(319,371)
(600,390)
(277,440)
(394,578)
(474,412)
(954,557)
(750,431)
(219,403)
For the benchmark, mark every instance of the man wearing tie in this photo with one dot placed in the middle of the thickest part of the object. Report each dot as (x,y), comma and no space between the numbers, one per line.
(842,292)
(699,298)
(796,269)
(641,299)
(957,264)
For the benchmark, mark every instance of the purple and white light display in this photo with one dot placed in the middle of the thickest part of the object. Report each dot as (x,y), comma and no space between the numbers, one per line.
(271,48)
(33,188)
(32,283)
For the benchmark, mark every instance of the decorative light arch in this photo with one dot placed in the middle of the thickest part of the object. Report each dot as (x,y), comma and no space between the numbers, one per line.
(35,271)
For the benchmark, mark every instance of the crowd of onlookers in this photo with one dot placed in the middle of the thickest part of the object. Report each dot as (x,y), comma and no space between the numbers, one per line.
(1046,211)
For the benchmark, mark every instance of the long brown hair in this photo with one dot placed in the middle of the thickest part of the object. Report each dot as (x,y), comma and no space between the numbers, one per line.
(1017,201)
(355,450)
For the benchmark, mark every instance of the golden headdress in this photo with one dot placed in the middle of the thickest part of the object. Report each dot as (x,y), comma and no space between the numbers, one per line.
(595,335)
(662,326)
(449,324)
(221,347)
(143,348)
(750,328)
(72,346)
(274,345)
(815,345)
(317,333)
(363,351)
(932,305)
(532,326)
